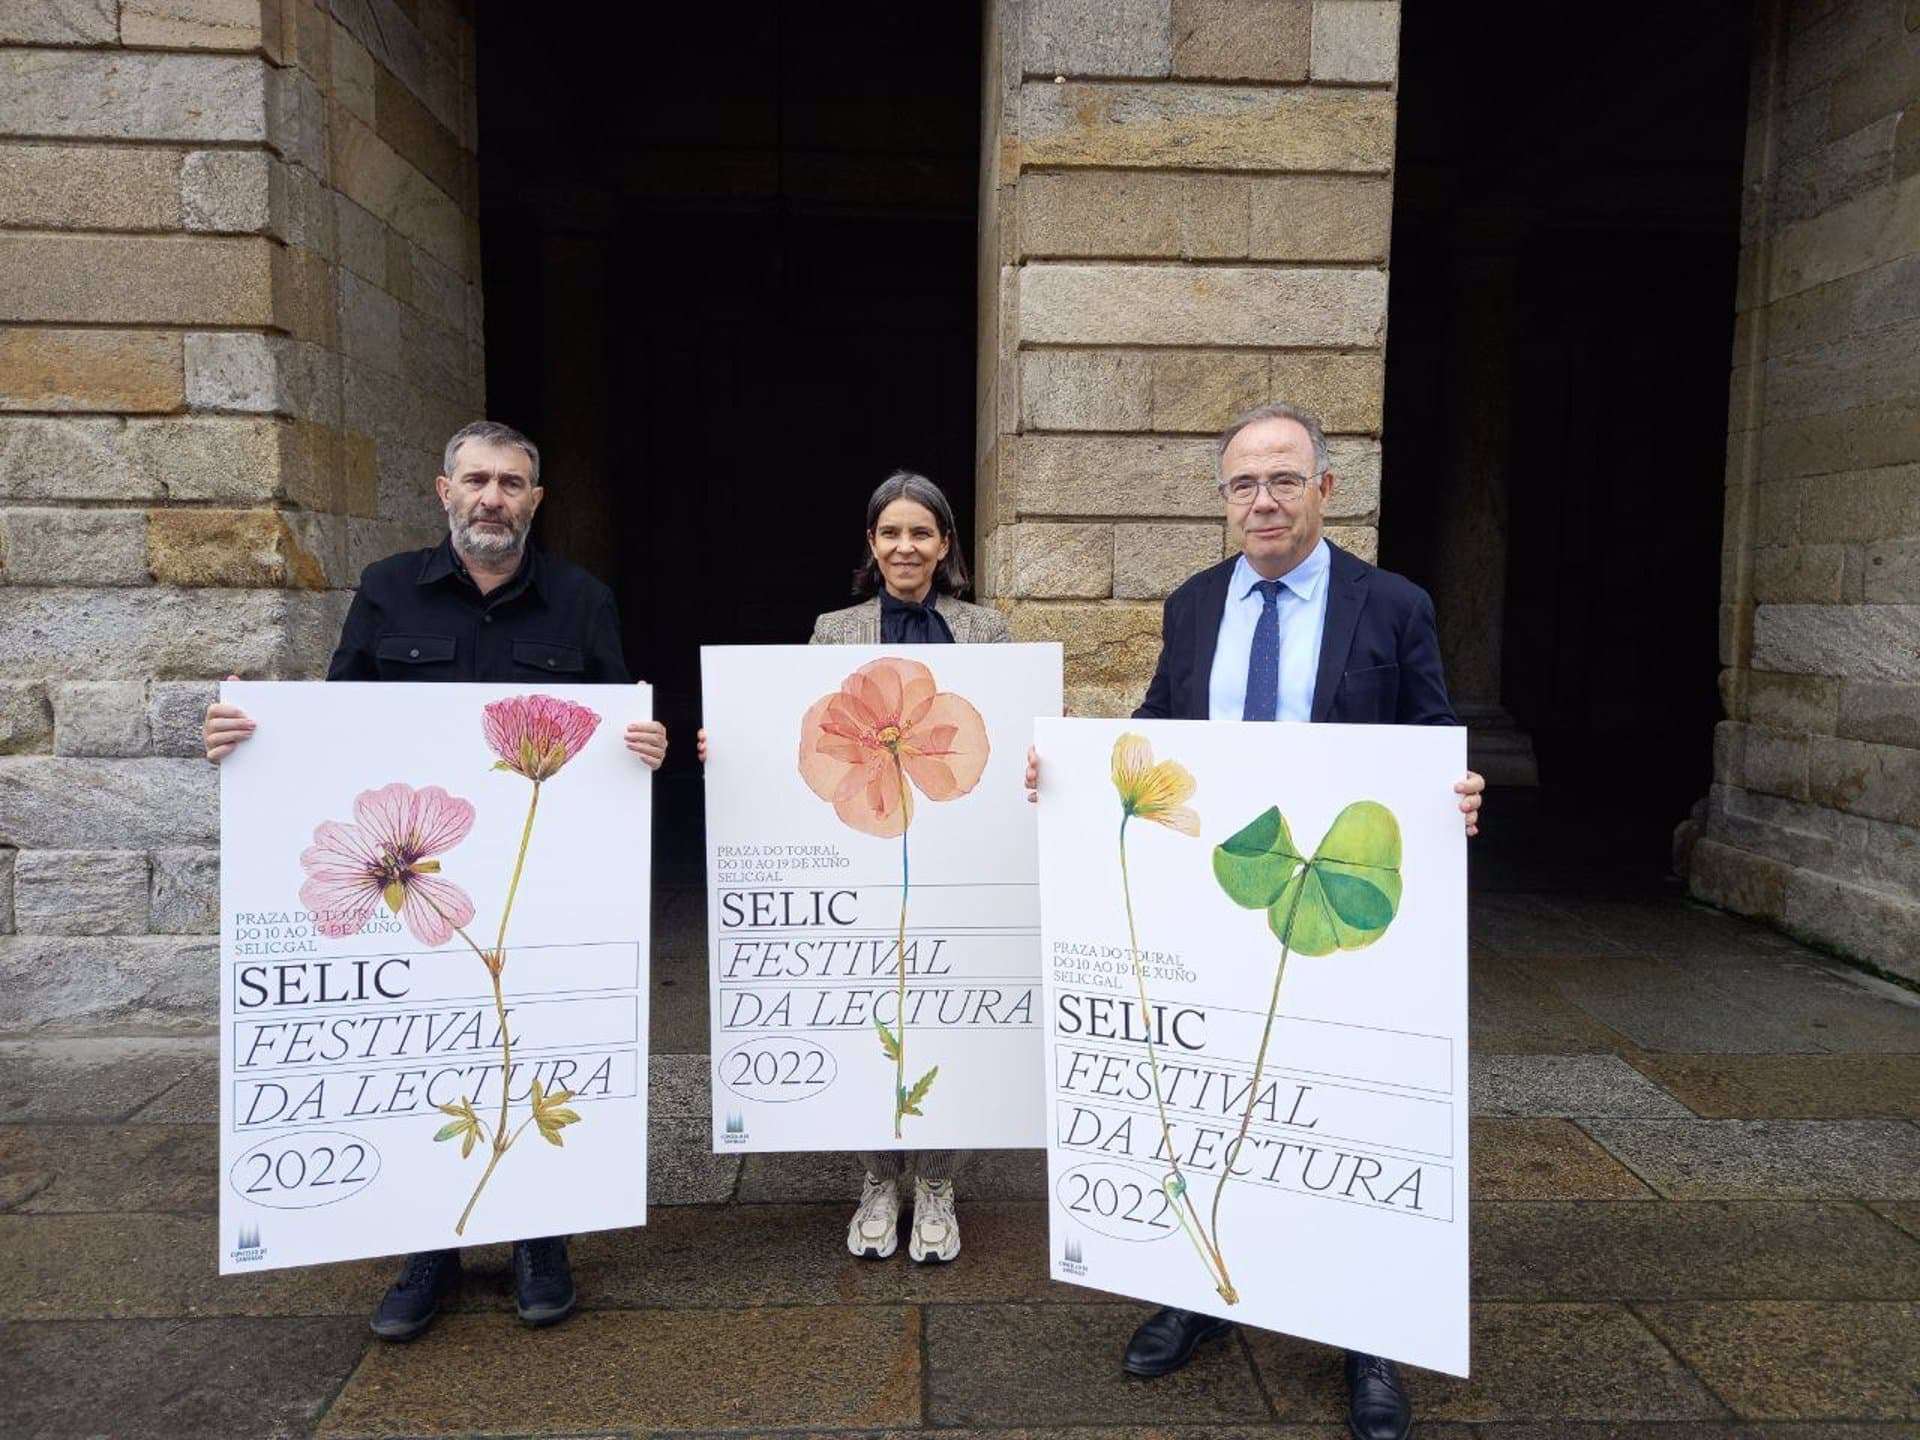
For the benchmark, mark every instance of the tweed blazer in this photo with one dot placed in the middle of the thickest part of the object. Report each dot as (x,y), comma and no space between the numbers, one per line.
(860,624)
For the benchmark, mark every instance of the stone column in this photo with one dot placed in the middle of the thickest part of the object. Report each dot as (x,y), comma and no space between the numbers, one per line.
(1470,593)
(1185,211)
(236,320)
(1813,821)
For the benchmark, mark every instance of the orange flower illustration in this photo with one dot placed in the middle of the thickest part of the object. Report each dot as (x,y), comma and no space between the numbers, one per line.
(888,723)
(890,716)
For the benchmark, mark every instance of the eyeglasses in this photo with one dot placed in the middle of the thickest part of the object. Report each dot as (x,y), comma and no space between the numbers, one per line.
(1283,488)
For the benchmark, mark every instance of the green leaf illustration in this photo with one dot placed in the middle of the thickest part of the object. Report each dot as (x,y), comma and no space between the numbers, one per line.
(910,1102)
(1349,892)
(887,1042)
(465,1124)
(1254,865)
(1344,898)
(551,1115)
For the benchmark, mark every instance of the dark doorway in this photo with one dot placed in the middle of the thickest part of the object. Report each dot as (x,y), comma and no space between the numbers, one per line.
(1565,240)
(729,271)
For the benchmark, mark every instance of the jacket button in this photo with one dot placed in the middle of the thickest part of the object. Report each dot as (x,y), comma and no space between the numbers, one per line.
(413,654)
(549,662)
(487,618)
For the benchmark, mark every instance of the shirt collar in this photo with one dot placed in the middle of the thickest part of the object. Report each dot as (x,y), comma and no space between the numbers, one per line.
(442,564)
(1304,580)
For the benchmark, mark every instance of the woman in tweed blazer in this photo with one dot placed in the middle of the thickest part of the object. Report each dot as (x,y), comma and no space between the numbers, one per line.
(910,575)
(860,624)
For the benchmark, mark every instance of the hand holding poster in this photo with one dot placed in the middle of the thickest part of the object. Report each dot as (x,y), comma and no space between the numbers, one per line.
(1255,941)
(873,918)
(433,969)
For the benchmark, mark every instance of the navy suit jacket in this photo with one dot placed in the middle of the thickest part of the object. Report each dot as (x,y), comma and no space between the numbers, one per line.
(1379,651)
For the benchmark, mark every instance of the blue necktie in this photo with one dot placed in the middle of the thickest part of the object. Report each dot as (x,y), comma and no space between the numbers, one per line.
(1263,660)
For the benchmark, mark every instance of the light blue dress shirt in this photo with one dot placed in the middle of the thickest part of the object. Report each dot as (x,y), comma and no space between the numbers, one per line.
(1302,614)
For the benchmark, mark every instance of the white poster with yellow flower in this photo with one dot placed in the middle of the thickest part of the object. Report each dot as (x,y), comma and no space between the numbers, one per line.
(1256,999)
(433,968)
(873,921)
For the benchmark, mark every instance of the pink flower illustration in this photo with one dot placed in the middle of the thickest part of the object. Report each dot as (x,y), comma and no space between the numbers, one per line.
(890,716)
(534,735)
(388,854)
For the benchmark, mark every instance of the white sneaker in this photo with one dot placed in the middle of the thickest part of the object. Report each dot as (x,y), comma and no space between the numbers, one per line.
(874,1231)
(936,1228)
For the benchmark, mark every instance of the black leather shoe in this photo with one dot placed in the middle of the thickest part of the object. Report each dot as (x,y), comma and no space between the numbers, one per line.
(542,1280)
(411,1302)
(1167,1339)
(1377,1403)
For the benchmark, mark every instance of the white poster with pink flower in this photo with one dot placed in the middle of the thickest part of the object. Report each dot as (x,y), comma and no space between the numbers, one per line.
(873,910)
(433,968)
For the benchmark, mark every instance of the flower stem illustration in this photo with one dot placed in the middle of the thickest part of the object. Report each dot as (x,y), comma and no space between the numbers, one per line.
(391,854)
(1158,793)
(1342,897)
(888,723)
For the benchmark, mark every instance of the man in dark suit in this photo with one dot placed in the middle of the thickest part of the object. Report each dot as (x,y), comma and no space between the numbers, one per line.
(1292,628)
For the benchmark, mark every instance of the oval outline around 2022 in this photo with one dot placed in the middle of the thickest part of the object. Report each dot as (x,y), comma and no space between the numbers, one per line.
(1132,1232)
(800,1044)
(360,1187)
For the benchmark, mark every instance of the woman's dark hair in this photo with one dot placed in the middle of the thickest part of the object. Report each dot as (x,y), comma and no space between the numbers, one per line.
(950,576)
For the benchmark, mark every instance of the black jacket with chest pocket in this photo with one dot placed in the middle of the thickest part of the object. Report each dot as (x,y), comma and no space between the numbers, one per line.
(419,616)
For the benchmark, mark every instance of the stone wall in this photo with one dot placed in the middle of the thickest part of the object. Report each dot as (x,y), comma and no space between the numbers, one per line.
(1814,818)
(1185,208)
(239,314)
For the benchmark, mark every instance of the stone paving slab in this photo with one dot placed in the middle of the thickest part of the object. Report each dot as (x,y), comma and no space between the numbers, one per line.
(120,1267)
(677,1018)
(1568,1087)
(193,1099)
(797,1255)
(1025,1365)
(1513,1012)
(1659,1005)
(848,1367)
(1256,1431)
(1530,1362)
(1689,1430)
(254,1379)
(1790,1087)
(115,1167)
(834,1175)
(680,1084)
(1677,927)
(1525,926)
(91,1079)
(1904,1213)
(1844,1010)
(1788,1359)
(1758,1249)
(1768,1159)
(681,1166)
(1546,1160)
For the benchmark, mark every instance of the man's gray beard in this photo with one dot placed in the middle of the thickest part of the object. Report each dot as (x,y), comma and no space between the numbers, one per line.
(487,545)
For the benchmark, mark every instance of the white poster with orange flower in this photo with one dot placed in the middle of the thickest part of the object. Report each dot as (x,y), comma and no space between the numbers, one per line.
(873,919)
(1256,981)
(433,968)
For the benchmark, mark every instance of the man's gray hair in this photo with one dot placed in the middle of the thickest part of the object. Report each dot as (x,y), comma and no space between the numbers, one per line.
(1278,410)
(488,432)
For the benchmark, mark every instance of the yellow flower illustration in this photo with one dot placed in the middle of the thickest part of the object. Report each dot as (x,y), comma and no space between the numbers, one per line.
(1159,793)
(1153,792)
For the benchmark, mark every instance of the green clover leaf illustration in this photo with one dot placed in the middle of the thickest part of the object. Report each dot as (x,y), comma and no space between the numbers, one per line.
(1342,898)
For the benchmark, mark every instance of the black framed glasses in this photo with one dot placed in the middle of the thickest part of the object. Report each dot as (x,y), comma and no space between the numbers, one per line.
(1283,488)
